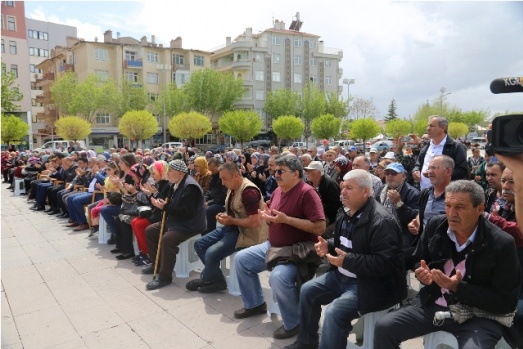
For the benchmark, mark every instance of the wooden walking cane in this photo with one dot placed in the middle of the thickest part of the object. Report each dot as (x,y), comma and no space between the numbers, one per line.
(160,241)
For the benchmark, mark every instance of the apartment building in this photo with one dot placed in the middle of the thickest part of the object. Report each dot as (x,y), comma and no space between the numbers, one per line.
(15,55)
(42,37)
(141,62)
(278,58)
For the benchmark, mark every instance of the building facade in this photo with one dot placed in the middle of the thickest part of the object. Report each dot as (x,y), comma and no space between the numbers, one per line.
(278,58)
(140,62)
(15,56)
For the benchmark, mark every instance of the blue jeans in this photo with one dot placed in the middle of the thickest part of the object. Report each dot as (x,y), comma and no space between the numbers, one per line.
(75,204)
(250,262)
(341,294)
(213,247)
(108,213)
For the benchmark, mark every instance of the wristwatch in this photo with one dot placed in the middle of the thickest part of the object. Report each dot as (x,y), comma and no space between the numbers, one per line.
(399,204)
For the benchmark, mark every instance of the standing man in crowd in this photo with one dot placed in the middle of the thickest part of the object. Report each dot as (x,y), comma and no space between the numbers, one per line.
(440,144)
(294,215)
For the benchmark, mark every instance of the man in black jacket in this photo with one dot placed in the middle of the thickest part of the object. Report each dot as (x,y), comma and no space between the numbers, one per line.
(215,195)
(440,144)
(367,269)
(465,261)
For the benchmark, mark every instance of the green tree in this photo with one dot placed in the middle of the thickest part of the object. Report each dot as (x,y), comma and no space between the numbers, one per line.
(282,102)
(313,106)
(334,106)
(138,125)
(72,127)
(175,101)
(131,97)
(420,127)
(398,127)
(392,115)
(474,117)
(325,126)
(13,129)
(190,125)
(288,127)
(212,92)
(93,96)
(10,94)
(364,129)
(63,92)
(243,125)
(457,129)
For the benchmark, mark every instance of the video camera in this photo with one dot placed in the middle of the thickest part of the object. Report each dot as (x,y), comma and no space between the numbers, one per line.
(506,136)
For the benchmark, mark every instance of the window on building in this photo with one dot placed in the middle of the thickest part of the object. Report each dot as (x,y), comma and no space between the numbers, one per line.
(297,59)
(259,57)
(14,69)
(153,78)
(276,40)
(313,44)
(247,94)
(314,78)
(130,56)
(181,77)
(33,102)
(153,97)
(12,47)
(260,95)
(258,75)
(11,23)
(178,59)
(31,68)
(103,75)
(101,54)
(328,63)
(328,80)
(298,78)
(35,34)
(276,76)
(314,61)
(199,60)
(297,42)
(38,52)
(10,3)
(103,119)
(3,47)
(131,77)
(276,58)
(152,57)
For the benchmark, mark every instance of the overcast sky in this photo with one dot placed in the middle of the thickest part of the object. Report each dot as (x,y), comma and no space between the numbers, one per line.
(402,50)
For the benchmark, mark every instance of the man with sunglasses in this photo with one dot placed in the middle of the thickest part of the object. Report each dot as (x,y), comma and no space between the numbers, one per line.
(400,199)
(295,218)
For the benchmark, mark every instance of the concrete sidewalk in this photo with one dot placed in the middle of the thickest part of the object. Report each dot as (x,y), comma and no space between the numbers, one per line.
(61,289)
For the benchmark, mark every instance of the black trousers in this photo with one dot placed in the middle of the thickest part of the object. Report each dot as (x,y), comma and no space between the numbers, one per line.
(51,193)
(414,321)
(124,236)
(168,250)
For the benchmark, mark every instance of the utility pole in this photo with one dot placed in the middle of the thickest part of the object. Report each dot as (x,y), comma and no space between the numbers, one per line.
(163,68)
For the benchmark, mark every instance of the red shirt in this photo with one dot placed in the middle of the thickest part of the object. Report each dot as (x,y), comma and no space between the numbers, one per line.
(302,201)
(251,201)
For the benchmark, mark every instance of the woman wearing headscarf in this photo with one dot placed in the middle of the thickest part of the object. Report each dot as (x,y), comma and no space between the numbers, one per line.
(245,161)
(231,156)
(132,199)
(203,175)
(158,190)
(260,173)
(342,165)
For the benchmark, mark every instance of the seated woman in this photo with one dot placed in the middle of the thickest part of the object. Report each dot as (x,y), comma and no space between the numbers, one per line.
(160,190)
(203,175)
(109,186)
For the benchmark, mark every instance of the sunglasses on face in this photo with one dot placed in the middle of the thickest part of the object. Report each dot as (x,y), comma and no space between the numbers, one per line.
(279,172)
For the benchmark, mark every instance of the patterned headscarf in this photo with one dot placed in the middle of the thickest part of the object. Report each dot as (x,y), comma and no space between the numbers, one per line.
(139,171)
(203,169)
(232,156)
(161,167)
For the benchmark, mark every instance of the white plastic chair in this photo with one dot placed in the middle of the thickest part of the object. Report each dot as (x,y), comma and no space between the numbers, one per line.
(369,323)
(103,231)
(19,186)
(440,339)
(230,276)
(187,260)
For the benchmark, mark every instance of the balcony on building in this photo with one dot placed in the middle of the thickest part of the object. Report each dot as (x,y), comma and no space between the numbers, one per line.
(43,98)
(66,67)
(133,64)
(242,45)
(46,79)
(243,63)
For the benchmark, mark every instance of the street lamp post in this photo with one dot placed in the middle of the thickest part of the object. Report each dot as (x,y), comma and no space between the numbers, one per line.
(347,82)
(163,68)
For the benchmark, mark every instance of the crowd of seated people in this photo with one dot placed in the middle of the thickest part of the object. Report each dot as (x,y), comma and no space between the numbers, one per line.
(132,190)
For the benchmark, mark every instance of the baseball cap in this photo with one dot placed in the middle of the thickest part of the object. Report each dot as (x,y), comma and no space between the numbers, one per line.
(315,165)
(390,155)
(353,148)
(373,150)
(396,167)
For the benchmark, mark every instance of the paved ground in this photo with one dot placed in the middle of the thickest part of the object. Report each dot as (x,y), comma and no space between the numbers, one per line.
(61,289)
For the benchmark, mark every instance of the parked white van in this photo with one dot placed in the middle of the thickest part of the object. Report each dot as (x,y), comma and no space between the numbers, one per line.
(62,144)
(172,145)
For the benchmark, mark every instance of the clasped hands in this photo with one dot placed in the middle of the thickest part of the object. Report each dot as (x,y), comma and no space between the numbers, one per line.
(322,249)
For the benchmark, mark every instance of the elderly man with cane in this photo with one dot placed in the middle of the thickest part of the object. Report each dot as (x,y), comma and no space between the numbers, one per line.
(184,217)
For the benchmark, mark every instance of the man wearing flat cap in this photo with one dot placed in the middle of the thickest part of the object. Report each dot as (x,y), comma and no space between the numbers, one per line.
(185,213)
(400,198)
